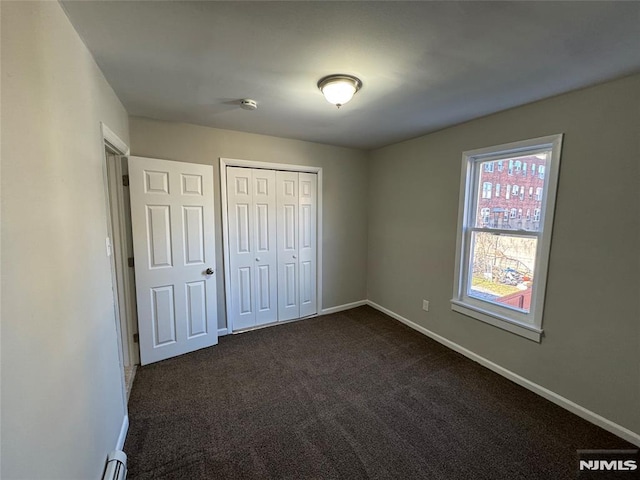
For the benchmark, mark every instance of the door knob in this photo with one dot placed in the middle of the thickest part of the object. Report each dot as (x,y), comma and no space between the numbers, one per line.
(209,271)
(294,256)
(257,259)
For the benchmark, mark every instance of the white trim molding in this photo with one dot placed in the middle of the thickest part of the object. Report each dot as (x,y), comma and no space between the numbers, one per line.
(110,137)
(122,437)
(346,306)
(233,162)
(559,400)
(222,332)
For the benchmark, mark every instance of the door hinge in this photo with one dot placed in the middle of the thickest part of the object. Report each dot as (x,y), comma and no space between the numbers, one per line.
(125,180)
(130,262)
(136,338)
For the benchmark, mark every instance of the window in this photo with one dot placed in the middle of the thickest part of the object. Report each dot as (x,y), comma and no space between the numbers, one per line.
(497,189)
(501,266)
(510,167)
(485,215)
(541,171)
(488,167)
(522,193)
(533,169)
(486,190)
(536,214)
(518,165)
(524,169)
(530,192)
(500,166)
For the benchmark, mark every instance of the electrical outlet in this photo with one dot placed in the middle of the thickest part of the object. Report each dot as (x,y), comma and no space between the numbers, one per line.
(425,305)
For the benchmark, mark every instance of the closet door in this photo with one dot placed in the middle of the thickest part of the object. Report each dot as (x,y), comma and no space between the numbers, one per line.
(287,240)
(307,249)
(266,253)
(241,247)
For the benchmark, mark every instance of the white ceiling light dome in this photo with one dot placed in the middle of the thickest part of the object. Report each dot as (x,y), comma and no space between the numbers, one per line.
(338,89)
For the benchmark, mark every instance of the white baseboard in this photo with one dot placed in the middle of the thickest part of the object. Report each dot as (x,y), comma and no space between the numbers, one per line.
(346,306)
(222,332)
(123,433)
(559,400)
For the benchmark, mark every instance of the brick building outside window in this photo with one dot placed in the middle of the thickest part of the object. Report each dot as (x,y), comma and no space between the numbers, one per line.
(523,193)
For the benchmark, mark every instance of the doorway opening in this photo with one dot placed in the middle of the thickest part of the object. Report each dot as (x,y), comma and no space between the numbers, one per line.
(120,250)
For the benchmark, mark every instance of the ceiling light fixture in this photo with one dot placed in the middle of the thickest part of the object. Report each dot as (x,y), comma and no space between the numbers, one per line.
(339,89)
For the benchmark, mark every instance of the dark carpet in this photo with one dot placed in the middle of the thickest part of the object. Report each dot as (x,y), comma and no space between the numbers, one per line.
(351,395)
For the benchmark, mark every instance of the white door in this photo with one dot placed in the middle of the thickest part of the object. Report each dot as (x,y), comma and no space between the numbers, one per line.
(173,241)
(266,253)
(287,239)
(252,247)
(307,243)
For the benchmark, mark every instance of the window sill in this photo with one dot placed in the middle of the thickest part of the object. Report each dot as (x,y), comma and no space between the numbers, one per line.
(524,330)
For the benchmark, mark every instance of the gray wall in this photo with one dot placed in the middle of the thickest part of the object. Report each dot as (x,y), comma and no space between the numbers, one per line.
(591,350)
(344,192)
(62,402)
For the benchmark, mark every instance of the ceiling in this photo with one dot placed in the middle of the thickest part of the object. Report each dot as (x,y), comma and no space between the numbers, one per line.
(424,65)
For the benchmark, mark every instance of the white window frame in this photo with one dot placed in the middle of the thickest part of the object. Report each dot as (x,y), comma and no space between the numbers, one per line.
(527,325)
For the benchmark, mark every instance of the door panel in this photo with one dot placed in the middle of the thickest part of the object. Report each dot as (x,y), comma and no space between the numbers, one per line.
(306,293)
(287,240)
(308,243)
(266,254)
(193,221)
(265,286)
(196,308)
(241,313)
(173,241)
(162,313)
(251,196)
(243,240)
(159,235)
(245,285)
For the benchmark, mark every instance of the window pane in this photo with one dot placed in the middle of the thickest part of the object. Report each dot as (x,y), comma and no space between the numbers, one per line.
(502,269)
(523,192)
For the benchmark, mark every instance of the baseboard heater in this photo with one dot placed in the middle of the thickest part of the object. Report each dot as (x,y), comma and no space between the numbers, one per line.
(116,466)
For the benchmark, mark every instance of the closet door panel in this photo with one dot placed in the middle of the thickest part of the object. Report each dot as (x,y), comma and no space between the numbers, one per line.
(241,247)
(266,254)
(307,251)
(287,199)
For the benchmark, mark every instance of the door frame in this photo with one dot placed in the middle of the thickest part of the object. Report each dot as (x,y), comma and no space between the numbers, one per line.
(234,162)
(122,288)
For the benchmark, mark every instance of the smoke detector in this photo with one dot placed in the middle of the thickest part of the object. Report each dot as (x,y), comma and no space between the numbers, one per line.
(248,104)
